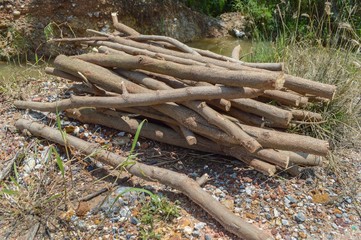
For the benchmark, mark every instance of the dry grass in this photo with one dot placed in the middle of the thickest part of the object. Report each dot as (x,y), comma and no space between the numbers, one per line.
(341,67)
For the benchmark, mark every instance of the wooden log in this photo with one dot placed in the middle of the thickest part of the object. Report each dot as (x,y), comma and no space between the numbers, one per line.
(188,135)
(307,116)
(79,39)
(244,139)
(254,120)
(212,116)
(296,84)
(149,113)
(122,27)
(139,99)
(215,56)
(287,141)
(114,48)
(62,74)
(222,104)
(266,168)
(174,42)
(178,181)
(285,98)
(196,73)
(162,134)
(275,157)
(95,74)
(236,51)
(302,159)
(269,139)
(304,86)
(270,113)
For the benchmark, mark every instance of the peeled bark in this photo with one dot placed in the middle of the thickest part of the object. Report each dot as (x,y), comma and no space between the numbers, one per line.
(178,181)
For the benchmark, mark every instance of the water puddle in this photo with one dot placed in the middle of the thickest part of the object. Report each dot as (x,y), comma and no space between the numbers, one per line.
(222,45)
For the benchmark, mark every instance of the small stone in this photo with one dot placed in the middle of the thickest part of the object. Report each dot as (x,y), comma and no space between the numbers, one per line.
(285,222)
(300,217)
(268,216)
(196,233)
(207,237)
(134,221)
(309,181)
(348,200)
(237,210)
(302,227)
(248,191)
(291,199)
(276,213)
(334,225)
(338,215)
(16,13)
(187,230)
(200,225)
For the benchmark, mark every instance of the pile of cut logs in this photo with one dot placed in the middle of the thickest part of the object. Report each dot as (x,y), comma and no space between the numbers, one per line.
(192,98)
(198,99)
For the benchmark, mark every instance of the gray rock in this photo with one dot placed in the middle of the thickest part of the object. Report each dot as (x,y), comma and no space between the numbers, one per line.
(207,237)
(276,213)
(134,221)
(291,199)
(187,230)
(338,215)
(268,216)
(248,191)
(196,233)
(302,227)
(200,225)
(285,222)
(334,225)
(300,217)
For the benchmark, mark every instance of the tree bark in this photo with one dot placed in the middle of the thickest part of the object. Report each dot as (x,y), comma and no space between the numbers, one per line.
(196,73)
(178,181)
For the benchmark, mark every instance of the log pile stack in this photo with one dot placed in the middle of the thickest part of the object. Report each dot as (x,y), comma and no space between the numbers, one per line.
(192,98)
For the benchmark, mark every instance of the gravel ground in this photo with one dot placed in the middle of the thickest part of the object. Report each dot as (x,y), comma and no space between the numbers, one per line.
(322,203)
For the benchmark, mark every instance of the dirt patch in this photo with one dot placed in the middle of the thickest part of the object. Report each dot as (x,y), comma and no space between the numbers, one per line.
(25,25)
